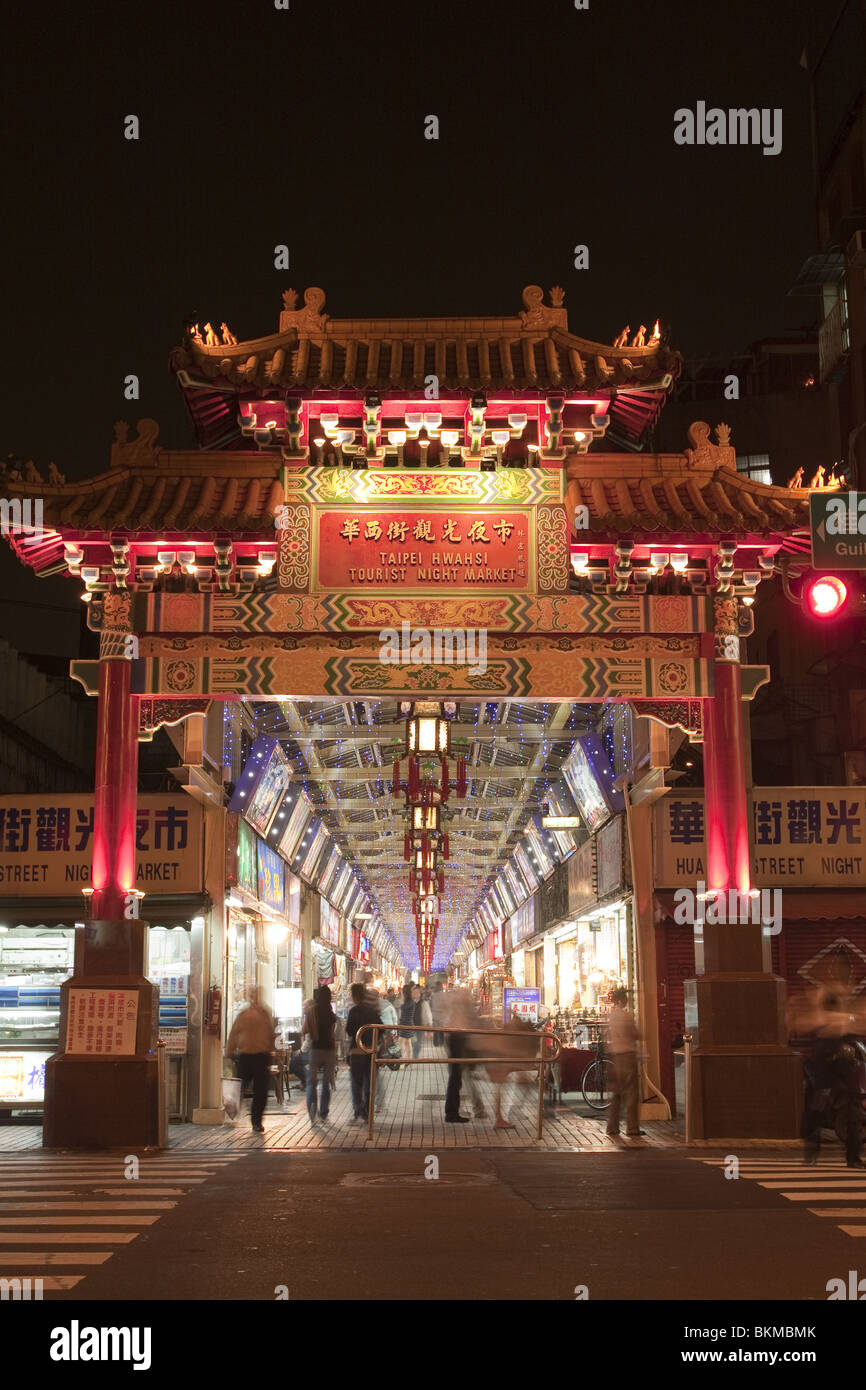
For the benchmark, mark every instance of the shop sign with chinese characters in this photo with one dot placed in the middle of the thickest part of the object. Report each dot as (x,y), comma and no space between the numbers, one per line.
(522,1004)
(800,837)
(22,1076)
(46,844)
(424,550)
(582,891)
(610,854)
(271,877)
(102,1022)
(175,1040)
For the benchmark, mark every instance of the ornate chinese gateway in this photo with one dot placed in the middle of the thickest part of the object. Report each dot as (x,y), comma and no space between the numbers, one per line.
(355,475)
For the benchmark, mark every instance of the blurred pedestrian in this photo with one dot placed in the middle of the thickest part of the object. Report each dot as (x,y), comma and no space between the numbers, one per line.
(438,1007)
(421,1017)
(833,1077)
(460,1014)
(252,1037)
(388,1014)
(407,1015)
(363,1011)
(320,1024)
(621,1047)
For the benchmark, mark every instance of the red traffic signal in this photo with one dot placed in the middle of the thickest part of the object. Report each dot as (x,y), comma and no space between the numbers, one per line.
(826,595)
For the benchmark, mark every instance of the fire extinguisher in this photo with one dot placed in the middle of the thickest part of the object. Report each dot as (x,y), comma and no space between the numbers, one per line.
(213,1010)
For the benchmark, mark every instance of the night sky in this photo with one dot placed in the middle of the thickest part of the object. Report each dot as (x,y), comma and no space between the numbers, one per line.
(306,127)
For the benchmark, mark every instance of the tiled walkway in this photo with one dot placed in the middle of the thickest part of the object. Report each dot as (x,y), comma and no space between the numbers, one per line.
(412,1117)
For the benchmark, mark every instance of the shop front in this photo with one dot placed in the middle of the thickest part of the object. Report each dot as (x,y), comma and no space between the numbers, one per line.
(491,981)
(45,861)
(37,951)
(264,943)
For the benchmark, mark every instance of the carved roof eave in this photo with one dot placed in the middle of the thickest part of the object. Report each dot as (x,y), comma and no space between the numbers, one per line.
(260,362)
(679,499)
(648,499)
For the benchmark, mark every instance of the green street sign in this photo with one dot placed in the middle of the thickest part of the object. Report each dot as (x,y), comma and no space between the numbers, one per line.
(838,525)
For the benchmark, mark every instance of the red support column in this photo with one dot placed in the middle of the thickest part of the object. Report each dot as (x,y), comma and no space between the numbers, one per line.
(111,1098)
(728,863)
(115,791)
(744,1079)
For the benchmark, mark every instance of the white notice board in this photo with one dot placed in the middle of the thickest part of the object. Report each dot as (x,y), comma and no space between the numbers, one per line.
(102,1022)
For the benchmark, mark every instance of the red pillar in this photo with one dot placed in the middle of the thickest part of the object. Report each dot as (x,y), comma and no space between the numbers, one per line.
(744,1080)
(725,781)
(115,791)
(110,1099)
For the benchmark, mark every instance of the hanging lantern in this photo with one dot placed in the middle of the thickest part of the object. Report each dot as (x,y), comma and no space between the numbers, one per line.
(427,730)
(445,784)
(413,778)
(425,818)
(425,861)
(407,847)
(445,847)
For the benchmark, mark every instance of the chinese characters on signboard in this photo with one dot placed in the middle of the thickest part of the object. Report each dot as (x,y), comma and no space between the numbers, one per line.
(46,844)
(271,880)
(102,1022)
(610,857)
(522,1004)
(799,837)
(22,1076)
(246,868)
(582,879)
(422,549)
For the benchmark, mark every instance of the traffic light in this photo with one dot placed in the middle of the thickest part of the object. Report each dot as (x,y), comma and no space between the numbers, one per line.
(826,595)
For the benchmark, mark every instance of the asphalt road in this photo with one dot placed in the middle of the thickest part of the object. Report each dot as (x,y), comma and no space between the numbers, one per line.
(638,1225)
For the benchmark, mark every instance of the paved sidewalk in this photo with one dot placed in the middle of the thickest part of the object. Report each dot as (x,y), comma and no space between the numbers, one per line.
(413,1118)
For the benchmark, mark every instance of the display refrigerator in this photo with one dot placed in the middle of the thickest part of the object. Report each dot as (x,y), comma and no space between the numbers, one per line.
(34,962)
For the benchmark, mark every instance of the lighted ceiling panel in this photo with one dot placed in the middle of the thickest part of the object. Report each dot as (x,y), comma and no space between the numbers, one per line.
(513,751)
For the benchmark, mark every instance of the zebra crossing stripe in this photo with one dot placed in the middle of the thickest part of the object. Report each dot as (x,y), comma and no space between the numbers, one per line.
(822,1182)
(816,1195)
(73,1186)
(75,1257)
(854,1184)
(74,1205)
(838,1211)
(6,1221)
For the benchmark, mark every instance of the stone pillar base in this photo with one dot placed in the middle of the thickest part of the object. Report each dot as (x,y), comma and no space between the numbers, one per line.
(744,1092)
(208,1116)
(107,1100)
(102,1103)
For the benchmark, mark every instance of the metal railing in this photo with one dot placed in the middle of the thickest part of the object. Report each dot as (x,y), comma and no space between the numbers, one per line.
(549,1046)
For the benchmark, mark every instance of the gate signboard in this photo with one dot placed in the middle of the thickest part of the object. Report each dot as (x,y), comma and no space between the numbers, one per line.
(446,548)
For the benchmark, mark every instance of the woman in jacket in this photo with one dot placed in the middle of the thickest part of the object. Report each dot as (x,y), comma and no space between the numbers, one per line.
(320,1023)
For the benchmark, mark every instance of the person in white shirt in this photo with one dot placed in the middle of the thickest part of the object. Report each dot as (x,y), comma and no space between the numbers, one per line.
(620,1045)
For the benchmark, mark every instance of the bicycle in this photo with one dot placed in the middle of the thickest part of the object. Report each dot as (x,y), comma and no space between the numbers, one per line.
(597,1082)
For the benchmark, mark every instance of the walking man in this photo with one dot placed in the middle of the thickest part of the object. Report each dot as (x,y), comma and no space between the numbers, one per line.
(459,1015)
(363,1011)
(252,1038)
(621,1045)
